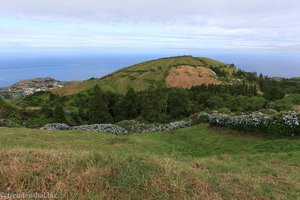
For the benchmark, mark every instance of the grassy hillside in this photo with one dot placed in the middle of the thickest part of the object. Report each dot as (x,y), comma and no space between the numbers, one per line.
(193,163)
(140,76)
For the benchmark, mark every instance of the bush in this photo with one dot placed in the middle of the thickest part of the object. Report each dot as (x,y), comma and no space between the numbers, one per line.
(281,105)
(215,102)
(282,124)
(137,127)
(203,117)
(293,98)
(255,121)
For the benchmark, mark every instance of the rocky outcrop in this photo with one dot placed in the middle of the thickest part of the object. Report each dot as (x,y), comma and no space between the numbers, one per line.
(108,128)
(56,127)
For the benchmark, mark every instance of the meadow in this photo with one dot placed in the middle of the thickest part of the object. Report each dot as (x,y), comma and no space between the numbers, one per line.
(199,162)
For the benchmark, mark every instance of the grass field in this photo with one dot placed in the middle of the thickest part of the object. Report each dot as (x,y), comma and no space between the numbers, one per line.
(198,162)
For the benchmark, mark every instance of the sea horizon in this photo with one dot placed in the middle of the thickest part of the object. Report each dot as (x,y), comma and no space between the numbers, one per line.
(78,66)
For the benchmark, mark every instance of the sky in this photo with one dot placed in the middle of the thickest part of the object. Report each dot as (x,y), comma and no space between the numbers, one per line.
(54,37)
(156,25)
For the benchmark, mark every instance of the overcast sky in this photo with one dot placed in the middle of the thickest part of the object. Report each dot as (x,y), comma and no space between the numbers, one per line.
(153,25)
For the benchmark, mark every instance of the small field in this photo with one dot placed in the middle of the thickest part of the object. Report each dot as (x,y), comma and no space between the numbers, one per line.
(185,76)
(199,162)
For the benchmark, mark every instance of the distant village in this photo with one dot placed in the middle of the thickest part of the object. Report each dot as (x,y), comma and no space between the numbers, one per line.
(32,90)
(28,87)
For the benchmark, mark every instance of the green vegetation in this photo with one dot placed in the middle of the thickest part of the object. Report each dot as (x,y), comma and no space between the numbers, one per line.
(5,109)
(193,163)
(58,114)
(98,108)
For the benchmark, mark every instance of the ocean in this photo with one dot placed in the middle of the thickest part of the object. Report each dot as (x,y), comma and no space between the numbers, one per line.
(81,66)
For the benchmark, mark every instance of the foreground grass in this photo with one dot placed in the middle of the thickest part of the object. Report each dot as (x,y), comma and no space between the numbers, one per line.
(194,163)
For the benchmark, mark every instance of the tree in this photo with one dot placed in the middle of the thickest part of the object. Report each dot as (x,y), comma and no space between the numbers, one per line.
(47,111)
(154,104)
(59,115)
(178,103)
(238,103)
(274,93)
(215,102)
(74,119)
(129,106)
(113,101)
(83,115)
(98,107)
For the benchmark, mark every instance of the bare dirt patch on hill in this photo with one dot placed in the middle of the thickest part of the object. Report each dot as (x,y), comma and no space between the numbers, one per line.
(186,76)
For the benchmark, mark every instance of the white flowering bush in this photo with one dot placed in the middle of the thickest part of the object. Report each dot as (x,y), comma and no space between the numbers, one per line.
(138,127)
(122,128)
(255,121)
(291,119)
(219,119)
(145,128)
(107,128)
(179,124)
(284,124)
(56,127)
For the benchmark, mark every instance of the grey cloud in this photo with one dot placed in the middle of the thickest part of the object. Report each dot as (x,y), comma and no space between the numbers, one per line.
(206,11)
(170,23)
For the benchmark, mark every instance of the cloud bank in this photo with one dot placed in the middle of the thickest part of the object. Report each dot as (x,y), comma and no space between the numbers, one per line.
(156,24)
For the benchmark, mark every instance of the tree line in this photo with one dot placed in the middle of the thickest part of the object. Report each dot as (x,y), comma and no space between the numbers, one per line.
(156,104)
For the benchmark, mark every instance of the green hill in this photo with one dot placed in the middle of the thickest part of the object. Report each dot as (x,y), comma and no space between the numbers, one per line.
(142,75)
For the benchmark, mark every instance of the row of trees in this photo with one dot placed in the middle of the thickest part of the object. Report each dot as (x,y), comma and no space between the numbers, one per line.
(156,104)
